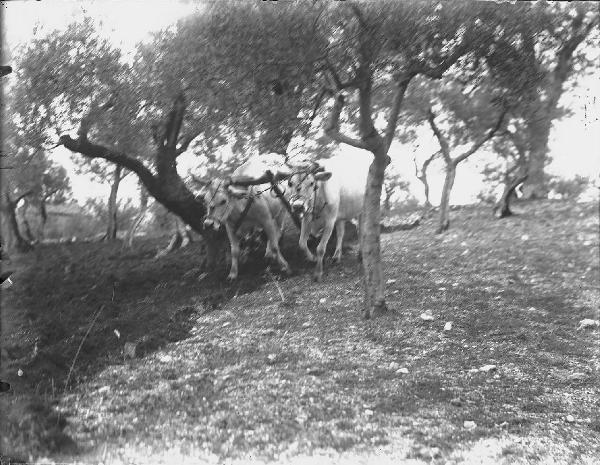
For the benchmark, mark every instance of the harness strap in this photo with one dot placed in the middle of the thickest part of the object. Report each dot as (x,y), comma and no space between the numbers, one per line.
(275,188)
(238,223)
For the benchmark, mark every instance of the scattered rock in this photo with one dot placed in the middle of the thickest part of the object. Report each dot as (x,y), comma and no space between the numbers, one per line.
(577,376)
(268,332)
(368,412)
(570,419)
(390,281)
(448,326)
(487,368)
(130,349)
(468,424)
(427,316)
(402,371)
(103,389)
(394,365)
(322,301)
(164,358)
(588,323)
(20,372)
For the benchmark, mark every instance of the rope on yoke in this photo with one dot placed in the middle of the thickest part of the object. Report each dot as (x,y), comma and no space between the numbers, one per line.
(275,188)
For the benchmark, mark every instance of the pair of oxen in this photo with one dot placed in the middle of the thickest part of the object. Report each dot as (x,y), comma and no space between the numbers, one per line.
(323,195)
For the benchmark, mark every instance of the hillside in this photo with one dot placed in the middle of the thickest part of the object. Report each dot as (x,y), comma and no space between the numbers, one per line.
(278,369)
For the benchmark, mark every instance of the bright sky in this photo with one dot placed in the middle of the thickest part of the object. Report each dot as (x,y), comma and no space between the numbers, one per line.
(574,144)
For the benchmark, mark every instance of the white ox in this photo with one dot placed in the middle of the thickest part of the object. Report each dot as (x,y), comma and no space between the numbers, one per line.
(327,198)
(242,209)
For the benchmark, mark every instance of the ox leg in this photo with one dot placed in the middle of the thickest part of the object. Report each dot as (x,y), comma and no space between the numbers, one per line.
(340,229)
(270,253)
(327,230)
(273,236)
(303,242)
(234,242)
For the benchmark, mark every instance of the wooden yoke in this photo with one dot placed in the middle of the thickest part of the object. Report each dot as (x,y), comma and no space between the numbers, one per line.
(267,177)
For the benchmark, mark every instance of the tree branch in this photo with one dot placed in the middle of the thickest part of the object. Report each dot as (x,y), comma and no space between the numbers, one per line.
(91,150)
(338,83)
(487,137)
(174,121)
(333,124)
(186,141)
(444,146)
(437,72)
(89,118)
(395,110)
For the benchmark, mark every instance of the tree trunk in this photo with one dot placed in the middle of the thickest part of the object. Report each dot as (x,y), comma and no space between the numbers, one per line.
(28,234)
(14,241)
(539,132)
(444,221)
(374,303)
(502,208)
(111,227)
(138,219)
(540,124)
(426,189)
(387,205)
(43,219)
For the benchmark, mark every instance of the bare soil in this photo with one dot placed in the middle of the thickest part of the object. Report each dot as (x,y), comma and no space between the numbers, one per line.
(279,370)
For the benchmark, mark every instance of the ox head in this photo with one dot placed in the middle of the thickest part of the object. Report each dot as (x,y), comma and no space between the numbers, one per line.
(303,183)
(219,198)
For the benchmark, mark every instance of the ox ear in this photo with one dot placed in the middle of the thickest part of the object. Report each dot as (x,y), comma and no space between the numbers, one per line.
(323,176)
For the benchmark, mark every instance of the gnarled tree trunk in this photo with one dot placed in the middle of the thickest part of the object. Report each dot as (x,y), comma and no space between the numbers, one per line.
(164,184)
(422,176)
(11,235)
(535,186)
(502,207)
(444,219)
(540,123)
(111,227)
(374,300)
